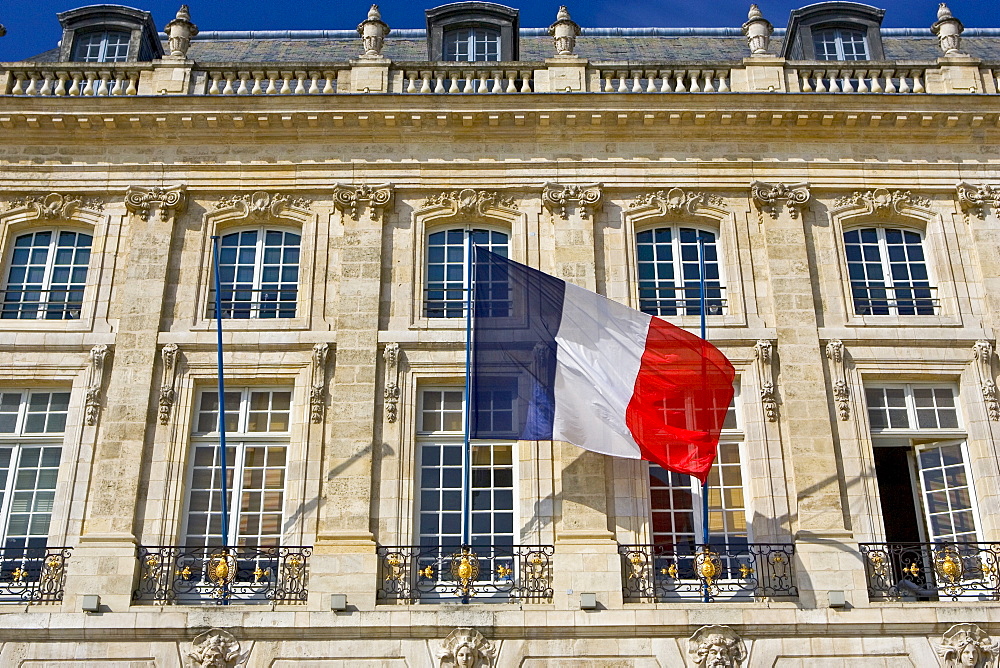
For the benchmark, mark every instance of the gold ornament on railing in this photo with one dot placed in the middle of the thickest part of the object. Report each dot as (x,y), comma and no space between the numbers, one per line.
(52,571)
(912,569)
(220,571)
(745,571)
(394,566)
(948,563)
(465,569)
(503,572)
(184,573)
(427,572)
(19,574)
(294,567)
(877,560)
(708,566)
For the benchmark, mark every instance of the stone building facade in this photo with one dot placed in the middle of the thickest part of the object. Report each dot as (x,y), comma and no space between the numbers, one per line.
(840,181)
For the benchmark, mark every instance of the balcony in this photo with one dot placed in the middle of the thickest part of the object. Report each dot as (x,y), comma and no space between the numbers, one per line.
(33,575)
(222,575)
(723,572)
(932,571)
(452,574)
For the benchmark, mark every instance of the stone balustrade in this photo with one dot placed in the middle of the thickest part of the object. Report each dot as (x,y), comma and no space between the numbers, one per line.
(854,79)
(73,79)
(458,78)
(690,79)
(262,80)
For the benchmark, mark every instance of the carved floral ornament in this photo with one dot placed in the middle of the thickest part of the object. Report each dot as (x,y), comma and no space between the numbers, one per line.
(317,390)
(558,198)
(55,205)
(216,649)
(884,201)
(982,356)
(716,647)
(95,379)
(841,390)
(168,394)
(977,200)
(968,646)
(391,392)
(469,201)
(675,201)
(764,351)
(260,205)
(466,648)
(770,197)
(350,199)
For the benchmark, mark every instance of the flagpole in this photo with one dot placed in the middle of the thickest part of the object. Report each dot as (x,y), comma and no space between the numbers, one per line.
(704,336)
(467,448)
(222,393)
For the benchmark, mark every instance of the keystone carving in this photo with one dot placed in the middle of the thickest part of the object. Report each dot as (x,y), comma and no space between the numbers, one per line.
(373,31)
(469,201)
(56,205)
(179,33)
(977,199)
(768,396)
(716,647)
(143,201)
(95,379)
(982,355)
(769,197)
(466,648)
(317,392)
(883,200)
(216,649)
(758,32)
(261,205)
(168,354)
(674,201)
(841,390)
(967,646)
(564,32)
(558,198)
(391,356)
(350,199)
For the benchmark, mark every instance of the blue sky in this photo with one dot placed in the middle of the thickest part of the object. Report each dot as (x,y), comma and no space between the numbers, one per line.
(32,26)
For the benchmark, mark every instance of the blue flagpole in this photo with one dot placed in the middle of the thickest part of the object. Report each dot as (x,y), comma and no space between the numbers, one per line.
(704,336)
(467,449)
(222,393)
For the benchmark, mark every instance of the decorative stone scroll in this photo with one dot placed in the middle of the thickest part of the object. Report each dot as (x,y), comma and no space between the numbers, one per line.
(391,356)
(317,391)
(143,201)
(95,379)
(768,396)
(968,646)
(675,201)
(558,198)
(56,205)
(216,649)
(884,201)
(977,199)
(260,205)
(466,648)
(168,354)
(350,199)
(716,647)
(469,201)
(841,391)
(770,197)
(982,355)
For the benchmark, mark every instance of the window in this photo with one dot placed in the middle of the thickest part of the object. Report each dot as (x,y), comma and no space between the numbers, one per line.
(472,44)
(670,272)
(447,274)
(921,464)
(257,432)
(32,424)
(47,275)
(840,44)
(105,46)
(888,272)
(258,274)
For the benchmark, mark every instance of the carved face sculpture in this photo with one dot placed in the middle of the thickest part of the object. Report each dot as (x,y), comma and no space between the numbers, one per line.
(465,656)
(213,654)
(715,653)
(969,656)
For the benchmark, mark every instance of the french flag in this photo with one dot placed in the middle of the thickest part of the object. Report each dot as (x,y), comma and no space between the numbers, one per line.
(553,361)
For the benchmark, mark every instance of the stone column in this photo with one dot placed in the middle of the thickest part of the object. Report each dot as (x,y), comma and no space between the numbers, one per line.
(344,560)
(825,557)
(105,560)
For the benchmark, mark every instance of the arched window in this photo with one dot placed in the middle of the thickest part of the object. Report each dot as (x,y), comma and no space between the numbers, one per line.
(669,266)
(102,46)
(46,276)
(840,44)
(447,275)
(472,44)
(258,274)
(888,272)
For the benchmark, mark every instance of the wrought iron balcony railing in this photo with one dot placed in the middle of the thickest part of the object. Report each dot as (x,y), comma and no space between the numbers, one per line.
(245,304)
(728,572)
(33,574)
(932,571)
(898,299)
(681,300)
(485,573)
(222,575)
(32,304)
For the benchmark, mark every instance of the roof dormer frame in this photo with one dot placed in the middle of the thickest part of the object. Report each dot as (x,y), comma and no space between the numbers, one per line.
(798,43)
(474,14)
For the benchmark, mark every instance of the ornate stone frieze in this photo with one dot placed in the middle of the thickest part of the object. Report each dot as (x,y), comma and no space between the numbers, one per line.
(317,391)
(716,647)
(770,197)
(466,648)
(675,201)
(373,31)
(968,646)
(391,356)
(144,201)
(351,199)
(95,379)
(982,355)
(978,199)
(260,205)
(564,32)
(764,350)
(559,198)
(168,354)
(216,649)
(56,205)
(469,201)
(882,200)
(841,390)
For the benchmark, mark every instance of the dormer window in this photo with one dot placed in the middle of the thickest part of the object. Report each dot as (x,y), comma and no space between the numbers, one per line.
(104,46)
(840,44)
(472,32)
(472,44)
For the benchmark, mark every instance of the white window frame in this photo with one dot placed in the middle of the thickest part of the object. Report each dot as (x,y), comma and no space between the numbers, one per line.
(258,310)
(888,283)
(453,38)
(446,306)
(53,248)
(104,44)
(678,264)
(838,42)
(912,430)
